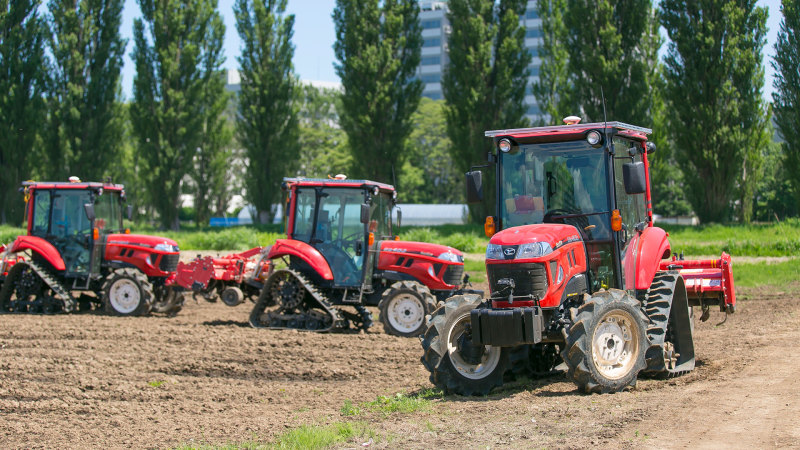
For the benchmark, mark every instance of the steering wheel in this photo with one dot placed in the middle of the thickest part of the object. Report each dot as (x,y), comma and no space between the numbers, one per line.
(579,222)
(549,215)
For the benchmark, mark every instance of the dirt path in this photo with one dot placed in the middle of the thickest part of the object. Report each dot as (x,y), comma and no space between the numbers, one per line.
(89,381)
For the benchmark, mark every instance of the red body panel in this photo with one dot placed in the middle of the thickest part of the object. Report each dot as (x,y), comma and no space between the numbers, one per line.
(653,246)
(134,249)
(395,255)
(312,256)
(41,247)
(563,239)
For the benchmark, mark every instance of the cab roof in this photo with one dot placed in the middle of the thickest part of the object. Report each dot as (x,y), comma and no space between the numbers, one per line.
(631,131)
(314,182)
(71,185)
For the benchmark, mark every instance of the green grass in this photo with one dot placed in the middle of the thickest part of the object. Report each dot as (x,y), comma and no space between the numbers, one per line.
(9,233)
(398,403)
(763,274)
(155,384)
(773,239)
(303,437)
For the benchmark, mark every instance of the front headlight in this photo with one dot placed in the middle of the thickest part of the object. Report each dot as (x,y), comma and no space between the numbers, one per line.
(452,257)
(166,248)
(534,250)
(494,251)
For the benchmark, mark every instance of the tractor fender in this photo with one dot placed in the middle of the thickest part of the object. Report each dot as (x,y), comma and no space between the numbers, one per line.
(41,247)
(312,256)
(653,246)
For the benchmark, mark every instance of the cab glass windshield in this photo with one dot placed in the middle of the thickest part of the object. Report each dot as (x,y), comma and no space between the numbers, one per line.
(560,182)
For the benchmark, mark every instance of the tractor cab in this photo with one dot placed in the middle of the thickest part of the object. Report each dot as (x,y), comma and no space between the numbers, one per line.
(72,217)
(567,175)
(342,220)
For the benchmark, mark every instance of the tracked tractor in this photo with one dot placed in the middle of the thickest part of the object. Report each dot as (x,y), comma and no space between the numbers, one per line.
(577,270)
(341,255)
(77,256)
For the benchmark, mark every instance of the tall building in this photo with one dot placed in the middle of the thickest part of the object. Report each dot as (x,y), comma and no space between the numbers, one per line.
(435,32)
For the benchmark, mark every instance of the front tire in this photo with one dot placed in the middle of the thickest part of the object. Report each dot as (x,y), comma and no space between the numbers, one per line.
(403,308)
(606,344)
(127,292)
(457,365)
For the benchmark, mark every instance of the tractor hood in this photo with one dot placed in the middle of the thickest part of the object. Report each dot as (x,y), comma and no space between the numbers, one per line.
(155,242)
(555,234)
(424,249)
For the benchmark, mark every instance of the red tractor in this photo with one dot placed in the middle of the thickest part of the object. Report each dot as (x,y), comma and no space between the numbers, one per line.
(76,244)
(340,251)
(576,269)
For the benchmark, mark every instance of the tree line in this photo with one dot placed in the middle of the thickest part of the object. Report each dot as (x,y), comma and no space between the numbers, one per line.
(62,112)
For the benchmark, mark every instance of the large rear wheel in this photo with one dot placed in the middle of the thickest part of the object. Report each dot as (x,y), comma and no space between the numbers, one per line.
(404,307)
(606,344)
(127,292)
(457,365)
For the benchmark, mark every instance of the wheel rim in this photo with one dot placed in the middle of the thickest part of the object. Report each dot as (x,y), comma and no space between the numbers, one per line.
(615,344)
(124,296)
(488,359)
(406,313)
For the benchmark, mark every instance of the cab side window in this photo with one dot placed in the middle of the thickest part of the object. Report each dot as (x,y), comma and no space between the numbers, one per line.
(41,213)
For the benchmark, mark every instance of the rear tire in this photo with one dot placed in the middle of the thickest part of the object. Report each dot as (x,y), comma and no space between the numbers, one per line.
(606,344)
(127,292)
(403,308)
(457,366)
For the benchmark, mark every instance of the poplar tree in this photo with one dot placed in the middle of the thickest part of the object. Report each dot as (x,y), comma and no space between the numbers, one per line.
(786,98)
(553,89)
(267,124)
(484,85)
(177,53)
(718,119)
(85,113)
(378,46)
(23,72)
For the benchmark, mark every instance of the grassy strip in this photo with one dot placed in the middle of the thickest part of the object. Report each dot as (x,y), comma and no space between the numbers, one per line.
(763,274)
(773,239)
(399,403)
(9,233)
(303,437)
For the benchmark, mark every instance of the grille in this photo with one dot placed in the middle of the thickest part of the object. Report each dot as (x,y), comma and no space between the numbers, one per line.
(169,263)
(454,274)
(529,279)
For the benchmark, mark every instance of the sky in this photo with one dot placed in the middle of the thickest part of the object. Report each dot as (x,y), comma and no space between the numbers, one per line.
(314,36)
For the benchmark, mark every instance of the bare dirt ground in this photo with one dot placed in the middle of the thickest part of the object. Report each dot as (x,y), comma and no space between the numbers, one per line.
(206,378)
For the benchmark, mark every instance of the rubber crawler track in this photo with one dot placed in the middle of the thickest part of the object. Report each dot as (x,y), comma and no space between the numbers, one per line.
(68,303)
(664,333)
(337,319)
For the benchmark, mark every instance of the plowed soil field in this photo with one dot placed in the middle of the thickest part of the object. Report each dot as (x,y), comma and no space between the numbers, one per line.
(206,378)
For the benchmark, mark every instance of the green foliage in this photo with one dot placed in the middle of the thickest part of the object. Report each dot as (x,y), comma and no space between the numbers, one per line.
(267,125)
(469,239)
(485,83)
(398,403)
(223,239)
(156,384)
(85,112)
(775,239)
(318,437)
(552,91)
(9,233)
(177,52)
(786,98)
(430,174)
(613,45)
(23,76)
(324,145)
(766,274)
(378,47)
(714,60)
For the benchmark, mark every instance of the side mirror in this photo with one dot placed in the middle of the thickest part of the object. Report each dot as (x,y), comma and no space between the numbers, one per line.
(88,208)
(129,212)
(364,213)
(633,177)
(399,217)
(651,147)
(474,183)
